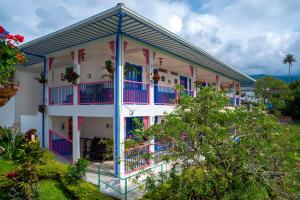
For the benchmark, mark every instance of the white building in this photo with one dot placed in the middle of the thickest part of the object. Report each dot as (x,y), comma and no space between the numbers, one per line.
(104,108)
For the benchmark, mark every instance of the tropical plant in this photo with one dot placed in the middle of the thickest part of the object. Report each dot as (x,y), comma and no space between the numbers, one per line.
(77,171)
(41,79)
(70,75)
(273,92)
(221,152)
(293,105)
(289,59)
(9,140)
(110,68)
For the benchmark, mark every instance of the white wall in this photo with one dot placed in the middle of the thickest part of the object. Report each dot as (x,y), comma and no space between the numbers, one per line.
(32,121)
(29,96)
(57,124)
(96,127)
(7,113)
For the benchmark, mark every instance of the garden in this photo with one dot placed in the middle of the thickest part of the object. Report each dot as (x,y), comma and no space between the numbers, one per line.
(29,172)
(222,152)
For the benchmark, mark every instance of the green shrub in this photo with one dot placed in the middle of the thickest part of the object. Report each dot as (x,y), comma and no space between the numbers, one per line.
(50,168)
(77,171)
(85,190)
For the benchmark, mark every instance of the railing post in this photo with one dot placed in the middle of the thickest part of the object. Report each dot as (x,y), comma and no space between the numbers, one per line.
(126,189)
(99,181)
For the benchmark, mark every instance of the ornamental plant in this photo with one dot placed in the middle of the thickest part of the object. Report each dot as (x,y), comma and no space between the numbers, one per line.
(10,54)
(218,152)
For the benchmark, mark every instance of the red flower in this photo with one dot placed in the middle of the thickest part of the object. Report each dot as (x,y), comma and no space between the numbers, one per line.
(12,174)
(10,37)
(10,43)
(2,29)
(19,38)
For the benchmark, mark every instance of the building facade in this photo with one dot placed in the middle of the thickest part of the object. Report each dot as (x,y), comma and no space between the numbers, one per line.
(117,55)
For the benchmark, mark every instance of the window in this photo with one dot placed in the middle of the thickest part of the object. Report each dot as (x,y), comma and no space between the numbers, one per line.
(133,72)
(163,78)
(175,81)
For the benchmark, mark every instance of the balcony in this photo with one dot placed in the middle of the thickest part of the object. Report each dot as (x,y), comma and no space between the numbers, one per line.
(61,95)
(164,95)
(135,92)
(101,92)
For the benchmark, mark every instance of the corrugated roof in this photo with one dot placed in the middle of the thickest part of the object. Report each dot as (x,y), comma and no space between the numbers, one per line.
(134,26)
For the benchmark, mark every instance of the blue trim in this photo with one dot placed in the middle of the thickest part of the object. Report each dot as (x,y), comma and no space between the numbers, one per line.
(44,93)
(117,97)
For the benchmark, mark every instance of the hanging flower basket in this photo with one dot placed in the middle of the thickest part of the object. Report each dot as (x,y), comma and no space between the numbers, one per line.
(155,77)
(8,90)
(42,108)
(3,101)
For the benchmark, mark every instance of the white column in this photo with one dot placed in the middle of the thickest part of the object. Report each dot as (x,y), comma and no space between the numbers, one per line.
(150,70)
(122,136)
(77,70)
(234,93)
(48,126)
(193,81)
(76,139)
(152,141)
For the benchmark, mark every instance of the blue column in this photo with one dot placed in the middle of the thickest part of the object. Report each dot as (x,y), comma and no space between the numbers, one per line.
(117,97)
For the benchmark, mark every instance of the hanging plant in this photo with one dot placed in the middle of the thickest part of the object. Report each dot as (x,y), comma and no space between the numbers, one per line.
(237,92)
(155,77)
(224,87)
(70,76)
(110,68)
(41,79)
(199,83)
(42,108)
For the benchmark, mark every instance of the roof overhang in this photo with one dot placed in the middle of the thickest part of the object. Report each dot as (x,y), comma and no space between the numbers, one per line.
(133,26)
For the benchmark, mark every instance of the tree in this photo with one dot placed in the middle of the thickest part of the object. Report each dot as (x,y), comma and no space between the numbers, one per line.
(221,153)
(289,58)
(273,92)
(293,105)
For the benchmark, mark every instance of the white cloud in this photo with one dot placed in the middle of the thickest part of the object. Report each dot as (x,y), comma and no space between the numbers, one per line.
(250,35)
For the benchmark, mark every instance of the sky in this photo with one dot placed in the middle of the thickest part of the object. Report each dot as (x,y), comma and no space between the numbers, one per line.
(251,35)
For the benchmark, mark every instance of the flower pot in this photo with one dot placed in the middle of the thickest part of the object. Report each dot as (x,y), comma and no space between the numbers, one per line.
(3,101)
(42,108)
(156,77)
(8,90)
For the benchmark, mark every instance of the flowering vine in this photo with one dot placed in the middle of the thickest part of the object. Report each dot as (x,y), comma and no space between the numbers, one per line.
(10,54)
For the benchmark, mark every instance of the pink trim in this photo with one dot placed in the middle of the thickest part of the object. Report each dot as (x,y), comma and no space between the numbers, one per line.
(80,121)
(72,56)
(192,70)
(146,54)
(112,46)
(125,45)
(50,63)
(80,52)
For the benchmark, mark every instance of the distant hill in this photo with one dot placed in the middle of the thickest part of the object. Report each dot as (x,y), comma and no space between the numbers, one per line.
(283,78)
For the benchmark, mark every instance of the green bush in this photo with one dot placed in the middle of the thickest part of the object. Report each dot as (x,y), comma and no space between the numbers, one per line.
(85,190)
(76,171)
(51,168)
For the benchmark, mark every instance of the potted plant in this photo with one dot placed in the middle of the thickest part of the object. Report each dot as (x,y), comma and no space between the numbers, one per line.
(42,108)
(70,76)
(155,77)
(224,87)
(110,68)
(41,79)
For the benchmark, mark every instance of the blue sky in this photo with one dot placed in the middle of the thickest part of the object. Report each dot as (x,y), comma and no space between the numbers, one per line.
(252,36)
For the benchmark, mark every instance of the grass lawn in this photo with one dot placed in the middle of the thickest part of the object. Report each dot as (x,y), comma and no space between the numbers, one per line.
(6,166)
(51,190)
(292,159)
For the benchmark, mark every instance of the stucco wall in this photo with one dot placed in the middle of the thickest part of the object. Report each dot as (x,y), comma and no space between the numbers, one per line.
(7,113)
(29,96)
(97,127)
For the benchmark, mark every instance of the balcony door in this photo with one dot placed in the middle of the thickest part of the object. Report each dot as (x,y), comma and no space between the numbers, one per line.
(133,72)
